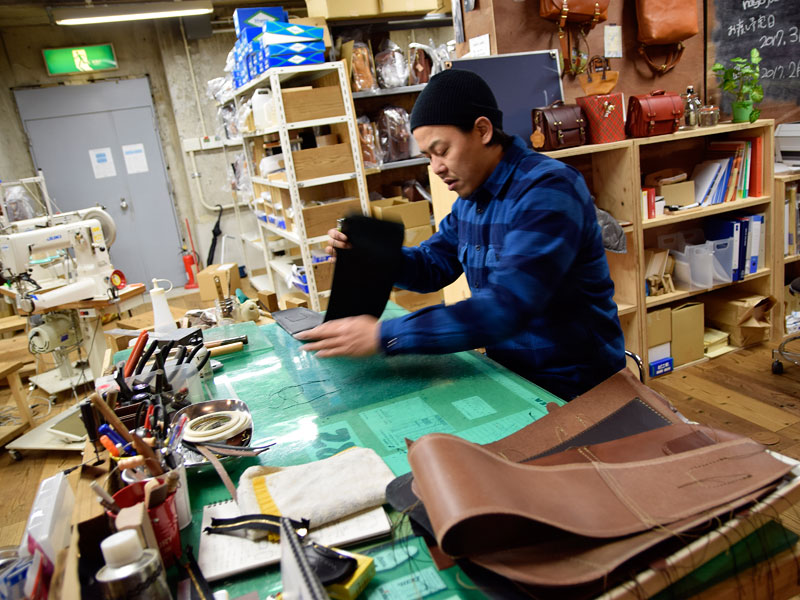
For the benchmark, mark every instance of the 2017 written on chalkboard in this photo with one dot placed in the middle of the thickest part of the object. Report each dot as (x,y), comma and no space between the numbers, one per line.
(771,26)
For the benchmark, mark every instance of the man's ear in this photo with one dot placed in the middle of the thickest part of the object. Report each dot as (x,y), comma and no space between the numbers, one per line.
(484,128)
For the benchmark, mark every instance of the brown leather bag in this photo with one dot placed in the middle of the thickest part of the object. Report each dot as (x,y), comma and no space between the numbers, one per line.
(656,113)
(558,126)
(662,23)
(583,13)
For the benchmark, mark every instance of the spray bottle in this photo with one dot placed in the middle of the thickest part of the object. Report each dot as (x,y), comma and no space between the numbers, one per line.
(163,320)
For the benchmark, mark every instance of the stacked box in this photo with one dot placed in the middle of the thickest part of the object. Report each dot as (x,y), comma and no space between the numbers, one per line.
(256,17)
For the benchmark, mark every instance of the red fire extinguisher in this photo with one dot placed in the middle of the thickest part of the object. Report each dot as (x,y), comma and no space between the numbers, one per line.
(189,263)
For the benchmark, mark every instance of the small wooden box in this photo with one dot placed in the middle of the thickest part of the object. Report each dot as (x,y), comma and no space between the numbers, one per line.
(305,104)
(319,219)
(323,275)
(322,162)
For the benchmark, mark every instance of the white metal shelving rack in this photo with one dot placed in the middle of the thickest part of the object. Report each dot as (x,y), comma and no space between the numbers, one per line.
(278,79)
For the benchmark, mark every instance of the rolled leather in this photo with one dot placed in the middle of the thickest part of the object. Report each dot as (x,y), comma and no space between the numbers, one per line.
(480,503)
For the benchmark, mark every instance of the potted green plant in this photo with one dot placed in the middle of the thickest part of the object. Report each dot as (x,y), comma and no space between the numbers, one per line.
(740,79)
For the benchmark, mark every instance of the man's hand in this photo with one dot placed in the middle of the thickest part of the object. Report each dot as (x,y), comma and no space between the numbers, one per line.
(351,336)
(337,240)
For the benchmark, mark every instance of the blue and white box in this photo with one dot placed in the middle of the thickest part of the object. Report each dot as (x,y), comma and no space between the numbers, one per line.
(257,16)
(295,48)
(660,367)
(276,32)
(294,60)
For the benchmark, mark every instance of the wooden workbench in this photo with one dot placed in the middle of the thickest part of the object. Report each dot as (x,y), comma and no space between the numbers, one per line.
(9,370)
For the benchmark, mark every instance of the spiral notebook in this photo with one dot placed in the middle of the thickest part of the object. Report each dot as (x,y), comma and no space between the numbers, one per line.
(221,556)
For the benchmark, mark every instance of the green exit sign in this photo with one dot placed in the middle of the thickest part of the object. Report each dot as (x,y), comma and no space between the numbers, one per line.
(80,59)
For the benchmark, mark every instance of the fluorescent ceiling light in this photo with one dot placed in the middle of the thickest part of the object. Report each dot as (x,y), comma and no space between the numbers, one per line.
(111,13)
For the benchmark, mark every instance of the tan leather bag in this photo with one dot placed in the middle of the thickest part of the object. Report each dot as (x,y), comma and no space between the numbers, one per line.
(598,78)
(665,23)
(585,14)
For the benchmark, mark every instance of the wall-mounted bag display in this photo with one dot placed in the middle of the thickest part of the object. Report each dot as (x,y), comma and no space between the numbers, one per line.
(605,115)
(662,23)
(558,126)
(656,113)
(584,15)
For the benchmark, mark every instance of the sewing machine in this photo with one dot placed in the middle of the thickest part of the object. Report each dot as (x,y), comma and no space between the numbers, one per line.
(58,266)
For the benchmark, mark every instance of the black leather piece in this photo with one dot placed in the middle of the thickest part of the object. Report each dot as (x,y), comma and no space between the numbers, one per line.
(329,565)
(364,274)
(295,320)
(632,418)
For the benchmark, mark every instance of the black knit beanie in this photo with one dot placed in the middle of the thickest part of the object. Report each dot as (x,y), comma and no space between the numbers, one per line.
(455,97)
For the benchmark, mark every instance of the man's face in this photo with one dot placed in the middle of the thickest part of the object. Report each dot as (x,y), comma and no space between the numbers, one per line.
(460,159)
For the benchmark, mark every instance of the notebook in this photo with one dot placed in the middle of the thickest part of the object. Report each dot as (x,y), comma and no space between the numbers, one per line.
(221,556)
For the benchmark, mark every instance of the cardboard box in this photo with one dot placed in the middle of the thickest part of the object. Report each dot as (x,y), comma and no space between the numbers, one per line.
(687,333)
(414,301)
(342,9)
(659,327)
(228,275)
(399,209)
(402,7)
(256,17)
(744,316)
(416,235)
(677,194)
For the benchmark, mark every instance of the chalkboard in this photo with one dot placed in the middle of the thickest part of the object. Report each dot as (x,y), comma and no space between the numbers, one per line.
(520,82)
(772,27)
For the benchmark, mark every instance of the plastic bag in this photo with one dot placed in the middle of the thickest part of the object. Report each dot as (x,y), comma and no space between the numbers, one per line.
(363,70)
(227,116)
(394,133)
(391,65)
(370,147)
(18,204)
(420,65)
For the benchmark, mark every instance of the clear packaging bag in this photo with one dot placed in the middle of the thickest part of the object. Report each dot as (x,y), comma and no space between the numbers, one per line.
(363,69)
(394,132)
(391,66)
(370,146)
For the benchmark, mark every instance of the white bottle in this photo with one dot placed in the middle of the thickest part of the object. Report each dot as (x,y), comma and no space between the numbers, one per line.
(163,320)
(131,572)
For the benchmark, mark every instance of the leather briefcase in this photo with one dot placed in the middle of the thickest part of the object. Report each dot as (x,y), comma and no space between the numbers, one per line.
(656,113)
(604,116)
(558,126)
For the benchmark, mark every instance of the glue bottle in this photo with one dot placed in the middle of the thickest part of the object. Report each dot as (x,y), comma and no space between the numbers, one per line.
(131,572)
(163,320)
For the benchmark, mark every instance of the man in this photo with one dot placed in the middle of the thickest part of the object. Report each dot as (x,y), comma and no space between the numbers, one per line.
(524,231)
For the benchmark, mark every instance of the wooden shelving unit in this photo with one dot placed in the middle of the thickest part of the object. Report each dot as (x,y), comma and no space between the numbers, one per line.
(786,267)
(614,174)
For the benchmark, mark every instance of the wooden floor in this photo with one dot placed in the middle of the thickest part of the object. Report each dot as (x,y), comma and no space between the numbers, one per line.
(736,392)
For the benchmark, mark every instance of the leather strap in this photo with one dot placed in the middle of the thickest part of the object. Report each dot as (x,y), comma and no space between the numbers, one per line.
(223,474)
(674,55)
(467,489)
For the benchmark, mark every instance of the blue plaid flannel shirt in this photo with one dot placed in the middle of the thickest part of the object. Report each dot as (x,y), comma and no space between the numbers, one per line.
(542,296)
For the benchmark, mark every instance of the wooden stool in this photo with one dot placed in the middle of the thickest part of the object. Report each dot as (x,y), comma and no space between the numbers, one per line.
(9,371)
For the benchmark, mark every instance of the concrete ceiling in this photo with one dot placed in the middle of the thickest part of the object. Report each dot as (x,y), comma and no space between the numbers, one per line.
(22,13)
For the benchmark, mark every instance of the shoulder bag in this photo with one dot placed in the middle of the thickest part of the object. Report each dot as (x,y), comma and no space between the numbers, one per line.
(656,113)
(558,126)
(585,14)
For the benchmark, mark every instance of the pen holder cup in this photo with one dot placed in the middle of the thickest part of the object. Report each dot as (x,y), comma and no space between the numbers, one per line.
(182,505)
(163,517)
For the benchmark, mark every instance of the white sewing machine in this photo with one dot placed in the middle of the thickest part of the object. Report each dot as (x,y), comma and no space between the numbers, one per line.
(59,265)
(35,256)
